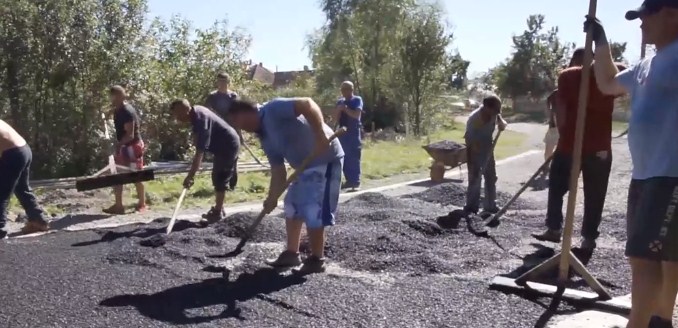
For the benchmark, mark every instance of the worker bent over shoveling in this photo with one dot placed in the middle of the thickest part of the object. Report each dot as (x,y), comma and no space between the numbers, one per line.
(210,134)
(15,164)
(480,156)
(292,129)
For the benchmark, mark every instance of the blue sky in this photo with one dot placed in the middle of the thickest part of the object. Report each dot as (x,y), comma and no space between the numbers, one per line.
(482,28)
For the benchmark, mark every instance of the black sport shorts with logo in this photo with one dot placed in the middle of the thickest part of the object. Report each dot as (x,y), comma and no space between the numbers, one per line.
(652,219)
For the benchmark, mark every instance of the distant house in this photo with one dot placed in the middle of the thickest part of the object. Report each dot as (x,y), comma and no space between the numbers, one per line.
(260,73)
(284,79)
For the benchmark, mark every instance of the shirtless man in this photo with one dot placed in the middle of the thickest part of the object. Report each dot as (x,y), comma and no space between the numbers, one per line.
(15,164)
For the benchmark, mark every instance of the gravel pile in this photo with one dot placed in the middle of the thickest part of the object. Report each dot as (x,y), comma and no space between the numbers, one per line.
(454,194)
(445,145)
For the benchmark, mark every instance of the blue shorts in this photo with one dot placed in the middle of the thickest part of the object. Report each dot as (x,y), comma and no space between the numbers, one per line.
(314,196)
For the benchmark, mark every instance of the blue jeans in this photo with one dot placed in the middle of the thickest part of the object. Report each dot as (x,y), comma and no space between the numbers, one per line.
(314,196)
(15,164)
(476,172)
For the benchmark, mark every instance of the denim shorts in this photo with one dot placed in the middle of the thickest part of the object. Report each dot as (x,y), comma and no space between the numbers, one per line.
(314,196)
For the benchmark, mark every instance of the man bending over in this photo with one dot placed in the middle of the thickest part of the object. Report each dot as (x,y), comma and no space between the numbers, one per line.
(15,164)
(210,134)
(480,156)
(292,129)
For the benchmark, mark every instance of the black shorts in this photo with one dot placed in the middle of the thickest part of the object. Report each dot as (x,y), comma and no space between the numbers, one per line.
(652,219)
(223,170)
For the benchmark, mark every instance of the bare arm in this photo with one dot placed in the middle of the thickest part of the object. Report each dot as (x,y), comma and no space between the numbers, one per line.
(129,133)
(605,72)
(278,181)
(314,116)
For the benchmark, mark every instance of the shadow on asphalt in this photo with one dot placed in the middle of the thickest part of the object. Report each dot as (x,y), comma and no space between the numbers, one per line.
(144,232)
(543,253)
(539,184)
(71,220)
(173,305)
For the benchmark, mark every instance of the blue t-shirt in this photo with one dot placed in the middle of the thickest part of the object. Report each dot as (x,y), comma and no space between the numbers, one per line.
(478,131)
(653,126)
(286,136)
(352,125)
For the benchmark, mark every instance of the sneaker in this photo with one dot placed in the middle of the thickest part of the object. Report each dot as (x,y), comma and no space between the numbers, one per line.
(550,235)
(657,322)
(213,215)
(355,187)
(286,259)
(33,226)
(3,234)
(312,264)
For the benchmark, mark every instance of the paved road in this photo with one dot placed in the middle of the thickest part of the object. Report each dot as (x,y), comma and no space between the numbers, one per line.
(392,266)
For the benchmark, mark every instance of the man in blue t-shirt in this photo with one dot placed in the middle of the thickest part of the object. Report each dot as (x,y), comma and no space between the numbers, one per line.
(348,112)
(292,129)
(652,213)
(213,135)
(220,101)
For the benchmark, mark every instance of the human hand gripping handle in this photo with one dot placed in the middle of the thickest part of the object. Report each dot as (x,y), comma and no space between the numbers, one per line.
(597,31)
(271,202)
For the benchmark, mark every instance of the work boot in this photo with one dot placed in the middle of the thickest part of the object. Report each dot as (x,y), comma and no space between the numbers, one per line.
(286,259)
(588,244)
(657,322)
(214,215)
(33,226)
(550,235)
(312,264)
(491,210)
(114,210)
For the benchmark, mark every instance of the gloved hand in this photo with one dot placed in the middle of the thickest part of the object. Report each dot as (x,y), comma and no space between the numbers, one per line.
(188,182)
(596,27)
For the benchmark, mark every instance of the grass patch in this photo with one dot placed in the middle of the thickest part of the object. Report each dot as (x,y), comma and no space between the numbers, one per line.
(384,159)
(381,159)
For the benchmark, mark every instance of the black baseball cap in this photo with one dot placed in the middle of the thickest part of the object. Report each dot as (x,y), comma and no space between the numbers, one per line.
(650,7)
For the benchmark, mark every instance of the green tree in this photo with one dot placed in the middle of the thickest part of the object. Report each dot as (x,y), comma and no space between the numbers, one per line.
(532,68)
(58,59)
(423,58)
(618,49)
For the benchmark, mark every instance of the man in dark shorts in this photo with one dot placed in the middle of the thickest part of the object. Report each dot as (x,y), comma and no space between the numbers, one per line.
(210,134)
(129,149)
(596,160)
(15,166)
(652,214)
(220,102)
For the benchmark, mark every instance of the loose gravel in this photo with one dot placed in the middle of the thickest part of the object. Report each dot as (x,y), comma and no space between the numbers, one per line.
(391,265)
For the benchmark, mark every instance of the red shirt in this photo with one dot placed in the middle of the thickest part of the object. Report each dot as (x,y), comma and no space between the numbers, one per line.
(598,129)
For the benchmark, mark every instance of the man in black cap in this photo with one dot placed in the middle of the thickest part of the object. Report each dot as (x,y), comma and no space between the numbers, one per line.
(652,210)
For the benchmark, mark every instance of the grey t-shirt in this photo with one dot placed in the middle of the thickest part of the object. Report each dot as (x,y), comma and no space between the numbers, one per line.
(220,102)
(213,134)
(478,131)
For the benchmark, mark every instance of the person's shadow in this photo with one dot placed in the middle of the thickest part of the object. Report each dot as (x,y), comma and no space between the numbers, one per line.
(172,305)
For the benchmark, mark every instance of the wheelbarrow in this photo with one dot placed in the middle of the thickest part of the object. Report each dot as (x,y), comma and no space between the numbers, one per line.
(445,154)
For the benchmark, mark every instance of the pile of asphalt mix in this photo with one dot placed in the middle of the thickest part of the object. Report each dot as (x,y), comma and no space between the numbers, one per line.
(446,145)
(454,194)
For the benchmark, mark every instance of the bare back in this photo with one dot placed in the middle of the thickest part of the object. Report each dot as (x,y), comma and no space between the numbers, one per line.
(9,138)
